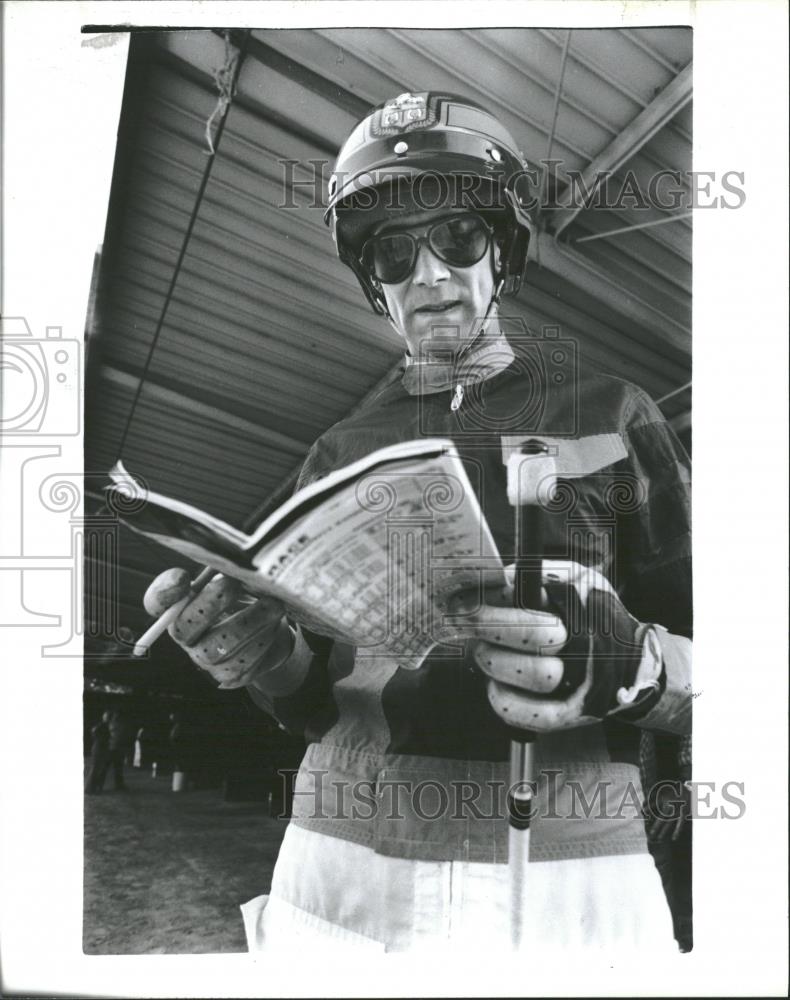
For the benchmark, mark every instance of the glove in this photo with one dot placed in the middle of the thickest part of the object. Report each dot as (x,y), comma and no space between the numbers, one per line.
(667,810)
(605,645)
(582,659)
(229,634)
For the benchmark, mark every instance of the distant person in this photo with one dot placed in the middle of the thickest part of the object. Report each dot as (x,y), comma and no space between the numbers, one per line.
(180,741)
(117,749)
(175,740)
(100,755)
(141,745)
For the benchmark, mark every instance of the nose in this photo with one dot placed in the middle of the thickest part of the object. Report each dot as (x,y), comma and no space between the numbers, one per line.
(429,270)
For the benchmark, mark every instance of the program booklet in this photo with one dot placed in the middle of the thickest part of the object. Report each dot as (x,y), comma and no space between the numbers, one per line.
(370,554)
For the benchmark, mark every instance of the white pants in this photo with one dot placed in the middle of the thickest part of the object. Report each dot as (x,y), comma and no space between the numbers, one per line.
(331,891)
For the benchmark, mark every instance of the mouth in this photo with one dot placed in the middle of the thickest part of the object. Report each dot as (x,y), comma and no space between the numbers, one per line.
(437,308)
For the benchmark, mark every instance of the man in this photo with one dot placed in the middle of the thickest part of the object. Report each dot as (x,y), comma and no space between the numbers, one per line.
(428,207)
(100,755)
(118,745)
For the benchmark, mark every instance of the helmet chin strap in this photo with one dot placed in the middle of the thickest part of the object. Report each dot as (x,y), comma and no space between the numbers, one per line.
(482,329)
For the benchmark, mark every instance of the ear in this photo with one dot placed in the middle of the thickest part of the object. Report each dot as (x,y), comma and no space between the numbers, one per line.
(497,254)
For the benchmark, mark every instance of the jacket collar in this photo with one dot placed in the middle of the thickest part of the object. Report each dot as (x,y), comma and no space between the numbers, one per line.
(438,373)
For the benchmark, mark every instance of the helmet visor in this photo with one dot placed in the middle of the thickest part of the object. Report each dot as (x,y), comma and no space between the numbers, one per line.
(459,241)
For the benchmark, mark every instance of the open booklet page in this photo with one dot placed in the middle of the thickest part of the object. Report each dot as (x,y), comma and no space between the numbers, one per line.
(156,514)
(369,554)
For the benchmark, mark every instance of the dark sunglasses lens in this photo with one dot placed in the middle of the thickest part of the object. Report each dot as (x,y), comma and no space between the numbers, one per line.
(391,258)
(460,242)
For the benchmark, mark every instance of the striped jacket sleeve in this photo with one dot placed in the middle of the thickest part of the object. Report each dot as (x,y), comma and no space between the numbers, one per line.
(299,687)
(654,555)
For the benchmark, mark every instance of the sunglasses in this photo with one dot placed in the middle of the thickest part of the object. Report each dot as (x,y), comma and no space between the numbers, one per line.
(459,241)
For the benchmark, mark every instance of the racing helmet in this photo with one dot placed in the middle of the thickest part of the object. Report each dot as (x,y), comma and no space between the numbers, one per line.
(422,150)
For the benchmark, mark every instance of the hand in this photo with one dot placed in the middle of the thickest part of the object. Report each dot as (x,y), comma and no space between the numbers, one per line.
(580,660)
(226,632)
(667,810)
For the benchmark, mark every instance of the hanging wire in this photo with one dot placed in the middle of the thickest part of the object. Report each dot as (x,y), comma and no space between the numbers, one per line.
(226,78)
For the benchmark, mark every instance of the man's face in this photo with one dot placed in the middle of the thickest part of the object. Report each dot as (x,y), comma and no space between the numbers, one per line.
(437,297)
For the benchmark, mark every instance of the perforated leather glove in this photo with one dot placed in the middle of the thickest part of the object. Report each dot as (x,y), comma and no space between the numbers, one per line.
(580,659)
(231,635)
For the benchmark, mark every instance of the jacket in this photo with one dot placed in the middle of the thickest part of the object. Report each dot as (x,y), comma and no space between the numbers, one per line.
(415,763)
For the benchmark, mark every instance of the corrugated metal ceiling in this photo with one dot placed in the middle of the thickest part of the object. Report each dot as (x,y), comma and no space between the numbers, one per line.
(267,340)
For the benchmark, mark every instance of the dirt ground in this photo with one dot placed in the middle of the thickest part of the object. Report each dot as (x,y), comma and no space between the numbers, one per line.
(165,872)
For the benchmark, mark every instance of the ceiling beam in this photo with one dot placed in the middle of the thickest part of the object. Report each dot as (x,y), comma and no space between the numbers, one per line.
(186,404)
(594,281)
(282,492)
(641,130)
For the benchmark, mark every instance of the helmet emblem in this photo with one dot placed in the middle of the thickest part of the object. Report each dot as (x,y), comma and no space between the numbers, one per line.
(404,110)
